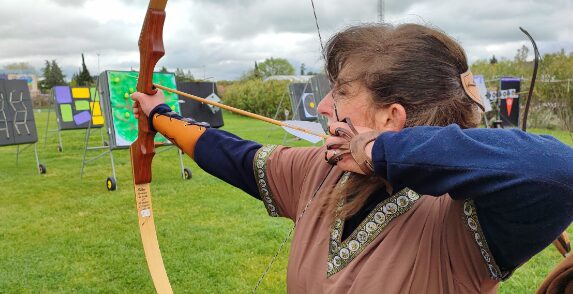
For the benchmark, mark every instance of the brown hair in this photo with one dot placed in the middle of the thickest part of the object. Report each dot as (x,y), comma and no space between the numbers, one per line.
(415,66)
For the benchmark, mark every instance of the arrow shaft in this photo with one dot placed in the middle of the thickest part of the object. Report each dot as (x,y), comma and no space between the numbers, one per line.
(239,111)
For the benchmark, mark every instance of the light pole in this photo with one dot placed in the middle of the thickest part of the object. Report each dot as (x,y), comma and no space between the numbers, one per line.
(98,54)
(380,11)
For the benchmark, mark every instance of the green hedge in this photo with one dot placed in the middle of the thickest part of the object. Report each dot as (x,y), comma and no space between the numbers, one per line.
(259,97)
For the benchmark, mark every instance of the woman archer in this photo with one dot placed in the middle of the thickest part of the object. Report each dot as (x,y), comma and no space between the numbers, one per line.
(407,195)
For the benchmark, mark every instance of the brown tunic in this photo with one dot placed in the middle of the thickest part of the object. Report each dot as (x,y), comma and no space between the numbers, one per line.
(408,244)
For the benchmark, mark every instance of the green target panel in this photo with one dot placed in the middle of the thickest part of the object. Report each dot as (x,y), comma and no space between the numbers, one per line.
(119,85)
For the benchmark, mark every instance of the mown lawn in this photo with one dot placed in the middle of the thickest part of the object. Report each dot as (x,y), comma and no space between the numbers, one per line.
(63,234)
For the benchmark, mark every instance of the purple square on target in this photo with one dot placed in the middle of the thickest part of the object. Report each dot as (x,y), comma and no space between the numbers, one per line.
(63,94)
(82,117)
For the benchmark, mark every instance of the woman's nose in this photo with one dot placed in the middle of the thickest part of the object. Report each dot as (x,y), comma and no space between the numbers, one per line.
(325,106)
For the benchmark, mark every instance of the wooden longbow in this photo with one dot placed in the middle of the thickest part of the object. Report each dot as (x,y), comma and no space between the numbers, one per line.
(143,149)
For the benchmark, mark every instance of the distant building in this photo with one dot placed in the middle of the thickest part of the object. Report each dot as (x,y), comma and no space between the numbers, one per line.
(30,78)
(294,79)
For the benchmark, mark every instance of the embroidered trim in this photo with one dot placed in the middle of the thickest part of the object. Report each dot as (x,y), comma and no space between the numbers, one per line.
(472,224)
(260,169)
(341,254)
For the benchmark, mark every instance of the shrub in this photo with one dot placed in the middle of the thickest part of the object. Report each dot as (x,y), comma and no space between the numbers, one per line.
(269,98)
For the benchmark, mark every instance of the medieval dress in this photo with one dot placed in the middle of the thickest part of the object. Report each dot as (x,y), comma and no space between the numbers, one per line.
(468,207)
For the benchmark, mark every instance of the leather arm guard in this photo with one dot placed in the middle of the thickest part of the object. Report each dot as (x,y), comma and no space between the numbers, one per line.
(183,132)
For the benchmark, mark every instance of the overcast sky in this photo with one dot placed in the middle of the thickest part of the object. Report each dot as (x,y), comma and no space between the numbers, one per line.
(221,39)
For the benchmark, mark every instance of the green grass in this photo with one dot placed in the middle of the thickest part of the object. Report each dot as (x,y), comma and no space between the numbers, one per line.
(63,234)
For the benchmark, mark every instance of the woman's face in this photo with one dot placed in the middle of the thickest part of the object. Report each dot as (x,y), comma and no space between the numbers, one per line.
(348,100)
(353,100)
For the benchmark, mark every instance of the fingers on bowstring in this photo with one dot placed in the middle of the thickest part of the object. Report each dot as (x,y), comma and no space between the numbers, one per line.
(334,128)
(343,128)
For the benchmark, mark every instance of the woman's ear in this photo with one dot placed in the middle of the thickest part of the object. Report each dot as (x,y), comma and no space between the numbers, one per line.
(391,118)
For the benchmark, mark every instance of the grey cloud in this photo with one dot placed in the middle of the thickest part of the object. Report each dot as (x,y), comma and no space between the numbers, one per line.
(74,3)
(223,37)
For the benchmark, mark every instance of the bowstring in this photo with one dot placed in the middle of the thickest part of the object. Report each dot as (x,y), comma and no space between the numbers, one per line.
(291,231)
(318,29)
(322,50)
(287,237)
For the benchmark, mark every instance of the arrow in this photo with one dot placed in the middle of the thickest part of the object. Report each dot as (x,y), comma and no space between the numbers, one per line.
(247,114)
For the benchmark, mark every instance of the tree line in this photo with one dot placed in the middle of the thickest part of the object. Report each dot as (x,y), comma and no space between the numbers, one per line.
(552,100)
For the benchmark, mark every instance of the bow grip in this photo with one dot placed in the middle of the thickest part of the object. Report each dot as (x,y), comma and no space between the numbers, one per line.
(151,50)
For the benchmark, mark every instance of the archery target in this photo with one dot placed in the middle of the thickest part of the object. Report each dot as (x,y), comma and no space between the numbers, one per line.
(301,110)
(200,111)
(76,107)
(115,89)
(320,88)
(309,104)
(509,101)
(17,124)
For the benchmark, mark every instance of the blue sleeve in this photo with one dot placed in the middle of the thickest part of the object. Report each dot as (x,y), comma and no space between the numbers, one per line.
(521,184)
(229,158)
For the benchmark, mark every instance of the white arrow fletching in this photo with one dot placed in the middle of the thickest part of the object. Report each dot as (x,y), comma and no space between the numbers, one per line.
(308,125)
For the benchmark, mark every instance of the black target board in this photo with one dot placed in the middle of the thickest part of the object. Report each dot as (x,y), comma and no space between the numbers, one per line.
(509,88)
(17,125)
(320,88)
(303,101)
(198,111)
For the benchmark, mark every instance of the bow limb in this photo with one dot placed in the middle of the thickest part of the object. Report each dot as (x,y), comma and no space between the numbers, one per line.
(533,77)
(562,242)
(143,149)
